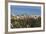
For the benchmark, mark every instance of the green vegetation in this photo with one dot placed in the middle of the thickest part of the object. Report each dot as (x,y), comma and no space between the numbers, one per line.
(25,22)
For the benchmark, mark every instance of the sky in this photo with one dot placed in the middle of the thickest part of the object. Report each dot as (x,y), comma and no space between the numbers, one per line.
(29,10)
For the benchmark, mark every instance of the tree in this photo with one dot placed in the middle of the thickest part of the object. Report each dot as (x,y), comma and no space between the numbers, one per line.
(36,22)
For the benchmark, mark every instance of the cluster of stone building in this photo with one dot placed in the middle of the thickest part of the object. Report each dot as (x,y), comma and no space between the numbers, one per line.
(22,17)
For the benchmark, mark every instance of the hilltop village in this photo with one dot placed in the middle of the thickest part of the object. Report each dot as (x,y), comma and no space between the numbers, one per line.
(25,21)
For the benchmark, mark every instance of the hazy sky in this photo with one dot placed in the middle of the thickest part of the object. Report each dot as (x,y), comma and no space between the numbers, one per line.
(29,10)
